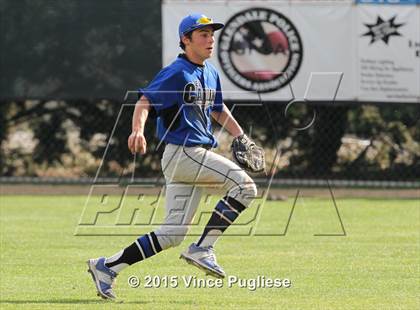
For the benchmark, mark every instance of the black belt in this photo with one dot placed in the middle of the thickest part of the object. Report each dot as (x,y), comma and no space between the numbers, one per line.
(204,146)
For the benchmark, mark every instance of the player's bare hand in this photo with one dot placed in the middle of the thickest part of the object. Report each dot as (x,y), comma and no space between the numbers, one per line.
(137,143)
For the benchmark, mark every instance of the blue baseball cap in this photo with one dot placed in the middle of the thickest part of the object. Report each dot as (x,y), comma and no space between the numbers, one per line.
(196,21)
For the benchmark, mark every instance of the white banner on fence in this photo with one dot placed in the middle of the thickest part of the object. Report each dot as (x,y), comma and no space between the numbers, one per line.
(317,50)
(388,53)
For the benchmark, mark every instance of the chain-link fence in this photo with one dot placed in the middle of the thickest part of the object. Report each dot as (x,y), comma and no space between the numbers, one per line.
(75,141)
(80,50)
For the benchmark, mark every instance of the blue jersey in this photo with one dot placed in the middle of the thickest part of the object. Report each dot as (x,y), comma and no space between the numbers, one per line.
(183,95)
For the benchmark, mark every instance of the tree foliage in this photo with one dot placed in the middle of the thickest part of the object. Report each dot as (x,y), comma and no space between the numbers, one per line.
(78,49)
(66,65)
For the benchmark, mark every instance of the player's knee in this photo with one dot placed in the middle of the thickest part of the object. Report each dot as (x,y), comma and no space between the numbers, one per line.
(244,193)
(249,192)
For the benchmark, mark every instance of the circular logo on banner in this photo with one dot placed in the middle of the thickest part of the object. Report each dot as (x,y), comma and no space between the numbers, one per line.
(260,50)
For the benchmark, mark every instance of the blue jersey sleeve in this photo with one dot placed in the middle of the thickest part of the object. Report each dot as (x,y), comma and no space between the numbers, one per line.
(218,101)
(164,90)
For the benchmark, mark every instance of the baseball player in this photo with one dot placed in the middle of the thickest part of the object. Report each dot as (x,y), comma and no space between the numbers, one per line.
(183,97)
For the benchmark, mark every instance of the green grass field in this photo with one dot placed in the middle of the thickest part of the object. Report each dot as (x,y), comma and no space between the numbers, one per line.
(375,266)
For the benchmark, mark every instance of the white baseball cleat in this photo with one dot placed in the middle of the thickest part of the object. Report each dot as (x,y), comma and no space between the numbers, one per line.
(103,277)
(203,258)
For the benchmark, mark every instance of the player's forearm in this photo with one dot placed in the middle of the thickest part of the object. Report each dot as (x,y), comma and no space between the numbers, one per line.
(227,121)
(141,112)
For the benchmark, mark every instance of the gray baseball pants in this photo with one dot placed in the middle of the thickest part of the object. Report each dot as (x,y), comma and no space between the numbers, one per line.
(187,171)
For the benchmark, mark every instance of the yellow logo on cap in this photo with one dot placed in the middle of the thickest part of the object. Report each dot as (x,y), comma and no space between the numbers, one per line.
(204,20)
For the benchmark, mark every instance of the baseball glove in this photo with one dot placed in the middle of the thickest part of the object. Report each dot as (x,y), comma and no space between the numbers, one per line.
(247,154)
